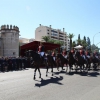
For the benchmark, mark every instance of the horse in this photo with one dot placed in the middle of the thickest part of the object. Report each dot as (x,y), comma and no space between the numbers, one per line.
(39,60)
(80,61)
(71,60)
(60,60)
(49,62)
(95,61)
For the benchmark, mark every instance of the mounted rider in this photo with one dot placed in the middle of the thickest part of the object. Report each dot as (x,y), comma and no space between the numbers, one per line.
(41,51)
(64,53)
(87,54)
(54,55)
(73,52)
(82,53)
(96,55)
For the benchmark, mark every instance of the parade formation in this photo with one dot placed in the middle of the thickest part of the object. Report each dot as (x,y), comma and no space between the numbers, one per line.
(75,59)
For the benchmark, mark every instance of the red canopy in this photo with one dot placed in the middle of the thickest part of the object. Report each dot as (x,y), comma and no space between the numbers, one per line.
(34,45)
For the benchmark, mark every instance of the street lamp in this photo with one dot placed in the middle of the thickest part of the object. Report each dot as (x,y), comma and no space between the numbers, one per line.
(94,36)
(97,43)
(93,39)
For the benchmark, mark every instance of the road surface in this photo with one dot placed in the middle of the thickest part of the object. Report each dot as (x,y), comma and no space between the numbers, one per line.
(19,85)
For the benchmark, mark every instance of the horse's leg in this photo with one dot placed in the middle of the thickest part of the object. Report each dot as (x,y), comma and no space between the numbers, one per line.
(87,64)
(80,68)
(39,72)
(69,68)
(35,72)
(62,65)
(47,71)
(66,68)
(58,66)
(52,70)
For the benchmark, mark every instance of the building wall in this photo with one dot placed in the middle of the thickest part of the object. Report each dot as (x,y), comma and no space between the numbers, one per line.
(9,40)
(39,32)
(55,34)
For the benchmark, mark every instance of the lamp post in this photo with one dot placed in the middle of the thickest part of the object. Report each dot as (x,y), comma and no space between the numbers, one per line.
(94,36)
(93,39)
(97,43)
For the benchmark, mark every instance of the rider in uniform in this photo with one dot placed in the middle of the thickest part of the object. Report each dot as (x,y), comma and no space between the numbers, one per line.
(41,51)
(64,53)
(54,55)
(82,53)
(87,54)
(96,55)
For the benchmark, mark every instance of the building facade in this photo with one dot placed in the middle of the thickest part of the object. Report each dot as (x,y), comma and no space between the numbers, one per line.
(55,34)
(9,41)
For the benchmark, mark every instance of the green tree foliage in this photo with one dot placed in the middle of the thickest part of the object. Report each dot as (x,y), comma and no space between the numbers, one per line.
(45,38)
(88,43)
(79,37)
(71,35)
(74,44)
(94,48)
(79,42)
(84,38)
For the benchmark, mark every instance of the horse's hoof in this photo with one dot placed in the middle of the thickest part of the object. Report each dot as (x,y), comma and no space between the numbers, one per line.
(40,77)
(34,78)
(63,69)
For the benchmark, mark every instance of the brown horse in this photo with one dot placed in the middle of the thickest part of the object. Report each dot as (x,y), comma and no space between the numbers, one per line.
(38,61)
(61,61)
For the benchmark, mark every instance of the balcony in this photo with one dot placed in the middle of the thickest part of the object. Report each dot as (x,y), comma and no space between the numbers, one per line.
(53,37)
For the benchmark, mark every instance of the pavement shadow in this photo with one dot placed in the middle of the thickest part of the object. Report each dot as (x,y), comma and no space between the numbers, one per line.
(93,74)
(54,80)
(60,72)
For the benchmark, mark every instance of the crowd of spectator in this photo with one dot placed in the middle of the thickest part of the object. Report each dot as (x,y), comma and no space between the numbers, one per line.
(13,63)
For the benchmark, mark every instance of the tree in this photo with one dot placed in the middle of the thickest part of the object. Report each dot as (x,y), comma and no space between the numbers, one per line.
(84,38)
(88,43)
(45,38)
(73,44)
(83,43)
(51,41)
(70,37)
(79,40)
(79,37)
(94,48)
(59,42)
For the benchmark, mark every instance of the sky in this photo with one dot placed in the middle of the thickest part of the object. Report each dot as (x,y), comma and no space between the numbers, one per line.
(76,16)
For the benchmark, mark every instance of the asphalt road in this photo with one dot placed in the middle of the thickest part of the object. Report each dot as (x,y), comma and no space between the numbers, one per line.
(19,85)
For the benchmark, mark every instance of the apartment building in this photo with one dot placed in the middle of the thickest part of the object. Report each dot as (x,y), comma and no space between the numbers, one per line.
(55,34)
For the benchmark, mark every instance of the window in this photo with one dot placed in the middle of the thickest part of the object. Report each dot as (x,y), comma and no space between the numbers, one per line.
(54,33)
